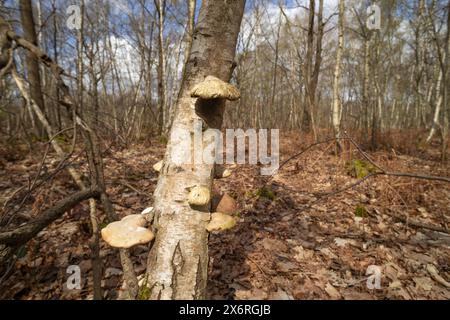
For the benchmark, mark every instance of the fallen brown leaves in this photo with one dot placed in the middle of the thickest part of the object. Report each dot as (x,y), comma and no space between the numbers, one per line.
(281,248)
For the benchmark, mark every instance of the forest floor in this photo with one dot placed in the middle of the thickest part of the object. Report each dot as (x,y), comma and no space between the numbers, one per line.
(290,242)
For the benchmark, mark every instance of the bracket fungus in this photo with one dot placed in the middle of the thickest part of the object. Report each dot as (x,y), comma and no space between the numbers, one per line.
(147,210)
(214,88)
(199,196)
(158,166)
(127,232)
(220,222)
(212,94)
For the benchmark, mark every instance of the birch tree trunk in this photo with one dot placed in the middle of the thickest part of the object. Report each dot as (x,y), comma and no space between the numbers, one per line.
(178,261)
(437,109)
(337,112)
(189,29)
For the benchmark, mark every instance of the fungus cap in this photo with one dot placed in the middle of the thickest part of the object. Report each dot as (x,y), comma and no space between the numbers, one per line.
(199,196)
(147,210)
(220,222)
(127,232)
(214,88)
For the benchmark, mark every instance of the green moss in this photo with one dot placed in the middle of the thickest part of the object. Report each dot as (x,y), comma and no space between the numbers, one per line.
(103,224)
(360,169)
(144,291)
(360,211)
(21,252)
(266,193)
(35,138)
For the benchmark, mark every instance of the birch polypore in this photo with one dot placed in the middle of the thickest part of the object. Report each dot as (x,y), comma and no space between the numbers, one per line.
(211,94)
(220,222)
(158,166)
(199,196)
(214,88)
(177,265)
(127,232)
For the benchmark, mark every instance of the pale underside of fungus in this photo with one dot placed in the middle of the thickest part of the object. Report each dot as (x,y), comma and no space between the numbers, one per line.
(220,222)
(214,88)
(128,232)
(158,166)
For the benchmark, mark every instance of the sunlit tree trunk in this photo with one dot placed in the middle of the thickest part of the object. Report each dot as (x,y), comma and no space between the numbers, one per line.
(29,33)
(337,108)
(178,261)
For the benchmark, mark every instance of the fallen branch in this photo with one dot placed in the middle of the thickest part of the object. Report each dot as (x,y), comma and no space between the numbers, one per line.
(91,141)
(393,173)
(418,224)
(21,235)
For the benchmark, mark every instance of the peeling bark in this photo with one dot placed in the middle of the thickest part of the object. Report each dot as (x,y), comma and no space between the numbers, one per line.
(178,261)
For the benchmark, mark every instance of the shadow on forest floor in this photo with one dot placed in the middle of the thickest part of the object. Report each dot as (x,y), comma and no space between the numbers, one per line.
(279,249)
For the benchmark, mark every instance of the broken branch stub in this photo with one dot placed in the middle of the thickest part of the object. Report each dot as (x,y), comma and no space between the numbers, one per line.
(214,88)
(127,232)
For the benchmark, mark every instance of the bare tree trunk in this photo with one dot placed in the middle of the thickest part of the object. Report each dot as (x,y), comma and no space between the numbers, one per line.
(337,108)
(29,33)
(178,261)
(275,67)
(189,30)
(365,89)
(446,81)
(160,9)
(316,70)
(437,109)
(56,58)
(420,61)
(308,68)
